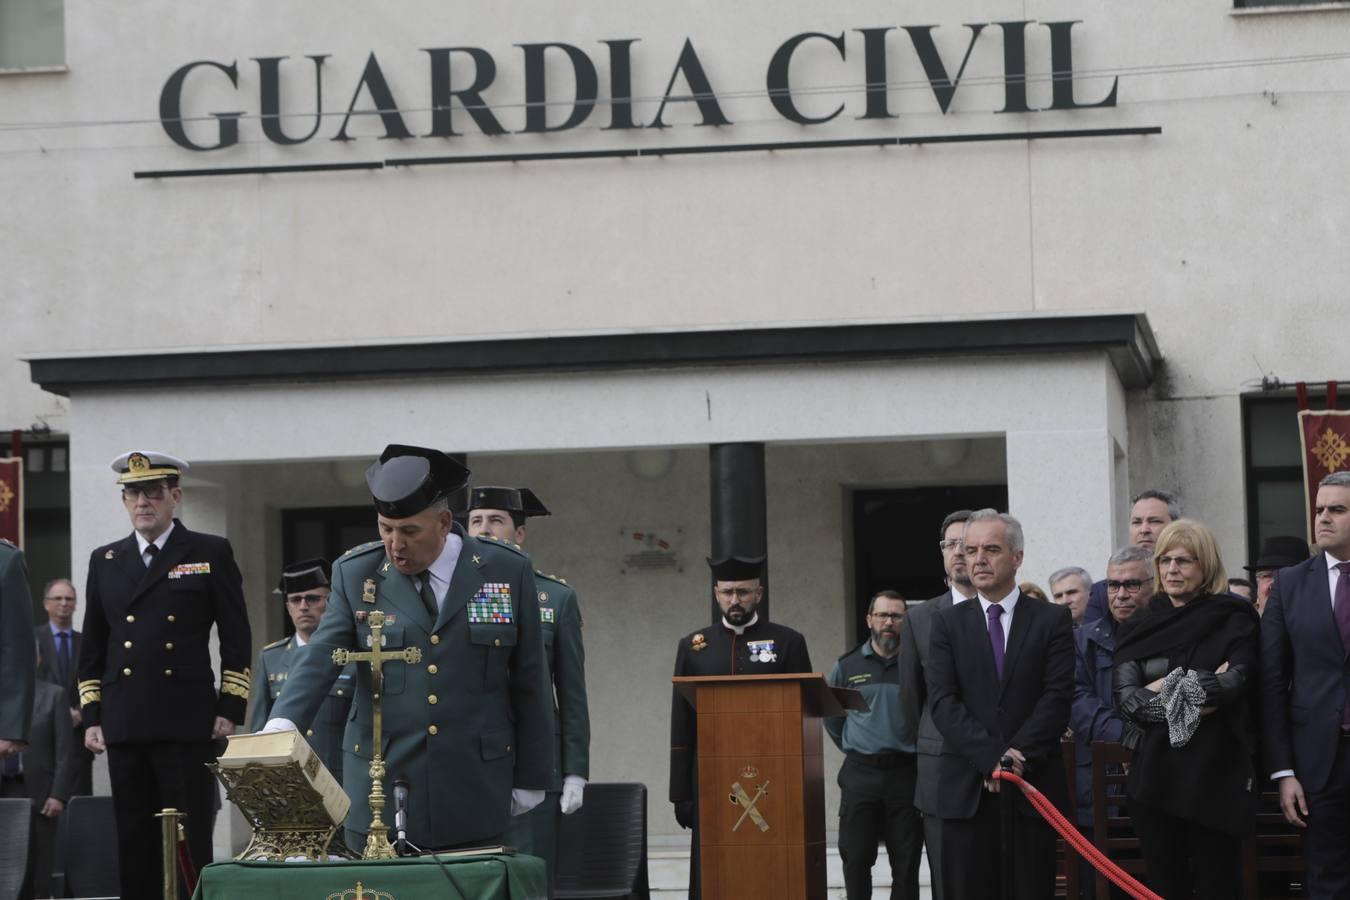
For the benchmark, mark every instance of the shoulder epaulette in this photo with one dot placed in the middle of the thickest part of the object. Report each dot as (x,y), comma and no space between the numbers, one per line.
(275,644)
(849,653)
(5,542)
(501,542)
(550,577)
(362,548)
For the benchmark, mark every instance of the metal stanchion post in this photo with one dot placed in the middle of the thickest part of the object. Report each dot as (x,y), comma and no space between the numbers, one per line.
(168,832)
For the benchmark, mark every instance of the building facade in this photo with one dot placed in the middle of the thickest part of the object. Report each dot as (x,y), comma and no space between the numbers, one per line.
(1036,254)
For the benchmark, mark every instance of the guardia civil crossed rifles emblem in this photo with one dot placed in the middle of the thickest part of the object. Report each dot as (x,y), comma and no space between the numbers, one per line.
(740,797)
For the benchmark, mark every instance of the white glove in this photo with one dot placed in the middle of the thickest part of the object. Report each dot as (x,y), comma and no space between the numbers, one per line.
(522,801)
(278,725)
(573,785)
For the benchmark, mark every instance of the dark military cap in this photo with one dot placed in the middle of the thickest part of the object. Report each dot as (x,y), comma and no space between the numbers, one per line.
(1279,552)
(737,568)
(521,501)
(304,576)
(407,480)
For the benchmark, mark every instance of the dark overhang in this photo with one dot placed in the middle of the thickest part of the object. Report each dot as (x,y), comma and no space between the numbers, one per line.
(1125,337)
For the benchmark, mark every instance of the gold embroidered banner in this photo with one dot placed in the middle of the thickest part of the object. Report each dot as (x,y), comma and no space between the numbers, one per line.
(1325,437)
(11,500)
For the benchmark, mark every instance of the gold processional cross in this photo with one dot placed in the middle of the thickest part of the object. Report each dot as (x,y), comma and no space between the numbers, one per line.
(377,839)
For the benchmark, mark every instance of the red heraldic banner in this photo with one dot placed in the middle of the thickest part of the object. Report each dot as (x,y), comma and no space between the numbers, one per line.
(11,500)
(1325,435)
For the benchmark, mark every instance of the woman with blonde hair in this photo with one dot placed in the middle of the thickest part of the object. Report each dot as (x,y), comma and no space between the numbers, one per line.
(1185,681)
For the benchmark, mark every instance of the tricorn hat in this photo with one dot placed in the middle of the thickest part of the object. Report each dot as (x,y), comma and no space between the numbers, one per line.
(737,568)
(406,479)
(1280,551)
(305,575)
(514,500)
(146,465)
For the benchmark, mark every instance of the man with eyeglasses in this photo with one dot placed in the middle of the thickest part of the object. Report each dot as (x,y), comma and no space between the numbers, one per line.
(913,657)
(1129,585)
(1150,512)
(58,654)
(148,691)
(305,586)
(877,779)
(741,643)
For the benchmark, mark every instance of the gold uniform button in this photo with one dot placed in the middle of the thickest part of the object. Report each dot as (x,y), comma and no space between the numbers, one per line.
(169,645)
(127,644)
(168,673)
(309,733)
(126,671)
(356,748)
(496,642)
(508,748)
(431,699)
(131,618)
(435,638)
(339,692)
(172,619)
(432,729)
(432,670)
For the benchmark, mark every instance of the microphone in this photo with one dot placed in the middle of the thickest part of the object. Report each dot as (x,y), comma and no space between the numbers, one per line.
(401,810)
(1005,762)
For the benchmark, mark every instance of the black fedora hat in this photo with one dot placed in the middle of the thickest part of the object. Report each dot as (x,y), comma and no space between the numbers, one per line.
(1280,551)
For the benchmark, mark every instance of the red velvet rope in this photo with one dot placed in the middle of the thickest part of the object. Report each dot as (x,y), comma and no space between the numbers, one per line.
(185,867)
(1077,840)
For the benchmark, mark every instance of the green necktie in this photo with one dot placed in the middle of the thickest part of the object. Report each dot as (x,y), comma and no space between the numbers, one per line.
(428,595)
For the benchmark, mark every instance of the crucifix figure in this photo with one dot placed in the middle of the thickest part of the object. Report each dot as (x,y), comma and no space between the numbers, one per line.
(377,838)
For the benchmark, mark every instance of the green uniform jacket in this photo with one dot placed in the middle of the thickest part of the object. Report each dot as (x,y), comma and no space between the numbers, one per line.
(18,654)
(561,620)
(467,723)
(324,734)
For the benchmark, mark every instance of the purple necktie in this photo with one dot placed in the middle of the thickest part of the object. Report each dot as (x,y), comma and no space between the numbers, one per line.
(995,613)
(1341,610)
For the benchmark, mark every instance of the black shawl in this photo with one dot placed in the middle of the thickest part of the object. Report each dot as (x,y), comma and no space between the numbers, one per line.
(1212,780)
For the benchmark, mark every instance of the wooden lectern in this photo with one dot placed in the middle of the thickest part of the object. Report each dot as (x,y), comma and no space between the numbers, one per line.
(761,782)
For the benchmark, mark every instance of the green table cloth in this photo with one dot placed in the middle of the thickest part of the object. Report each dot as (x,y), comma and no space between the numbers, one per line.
(509,877)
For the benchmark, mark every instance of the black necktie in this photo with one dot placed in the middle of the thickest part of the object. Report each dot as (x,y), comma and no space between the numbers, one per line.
(151,550)
(63,656)
(428,595)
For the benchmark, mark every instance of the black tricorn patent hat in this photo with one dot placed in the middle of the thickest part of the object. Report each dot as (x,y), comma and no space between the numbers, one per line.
(305,575)
(515,500)
(407,479)
(1280,551)
(737,568)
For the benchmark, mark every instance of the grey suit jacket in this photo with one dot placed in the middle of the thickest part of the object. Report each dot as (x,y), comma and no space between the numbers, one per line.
(913,658)
(49,758)
(47,664)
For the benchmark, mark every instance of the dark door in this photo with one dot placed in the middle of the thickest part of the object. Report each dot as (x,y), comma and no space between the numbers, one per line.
(895,540)
(326,532)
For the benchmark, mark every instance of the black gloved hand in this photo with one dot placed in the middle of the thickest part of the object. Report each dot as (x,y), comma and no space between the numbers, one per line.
(684,813)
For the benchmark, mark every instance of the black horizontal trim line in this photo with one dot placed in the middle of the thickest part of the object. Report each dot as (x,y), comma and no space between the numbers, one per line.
(1125,337)
(638,152)
(841,143)
(258,170)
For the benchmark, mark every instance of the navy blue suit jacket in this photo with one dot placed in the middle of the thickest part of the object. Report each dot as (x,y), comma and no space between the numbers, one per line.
(1305,675)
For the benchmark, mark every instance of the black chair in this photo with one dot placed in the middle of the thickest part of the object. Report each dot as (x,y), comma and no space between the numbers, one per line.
(15,824)
(88,846)
(602,847)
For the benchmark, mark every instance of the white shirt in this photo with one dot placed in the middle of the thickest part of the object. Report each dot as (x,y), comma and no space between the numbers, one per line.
(443,568)
(958,597)
(299,641)
(1009,604)
(159,543)
(1333,576)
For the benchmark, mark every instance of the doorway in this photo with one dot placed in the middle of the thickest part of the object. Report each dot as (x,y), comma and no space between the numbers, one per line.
(895,540)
